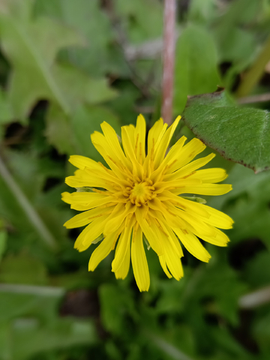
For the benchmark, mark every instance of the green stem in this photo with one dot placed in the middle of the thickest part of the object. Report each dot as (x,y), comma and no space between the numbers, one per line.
(27,207)
(255,73)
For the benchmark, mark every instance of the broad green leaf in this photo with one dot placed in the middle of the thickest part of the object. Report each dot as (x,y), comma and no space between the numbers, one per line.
(31,47)
(116,304)
(137,23)
(235,40)
(237,46)
(85,16)
(196,69)
(202,11)
(79,86)
(100,56)
(72,135)
(239,134)
(58,130)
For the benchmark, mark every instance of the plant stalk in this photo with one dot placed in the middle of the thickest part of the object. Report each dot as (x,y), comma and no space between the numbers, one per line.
(254,74)
(168,60)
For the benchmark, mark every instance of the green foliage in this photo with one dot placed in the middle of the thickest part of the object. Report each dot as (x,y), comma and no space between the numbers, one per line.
(3,242)
(31,47)
(219,124)
(196,65)
(65,67)
(24,322)
(137,22)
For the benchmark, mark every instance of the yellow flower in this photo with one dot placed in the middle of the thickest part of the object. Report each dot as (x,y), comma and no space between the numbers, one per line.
(142,197)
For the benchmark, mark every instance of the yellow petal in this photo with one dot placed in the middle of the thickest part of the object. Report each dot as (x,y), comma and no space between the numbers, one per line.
(122,251)
(122,271)
(172,260)
(189,168)
(187,153)
(151,233)
(195,222)
(102,251)
(163,264)
(128,142)
(139,261)
(140,137)
(82,178)
(100,143)
(155,135)
(119,214)
(112,139)
(192,244)
(66,197)
(185,204)
(175,242)
(170,236)
(172,250)
(218,239)
(79,220)
(82,162)
(162,146)
(216,218)
(89,234)
(213,175)
(189,218)
(181,184)
(174,152)
(85,217)
(206,189)
(90,199)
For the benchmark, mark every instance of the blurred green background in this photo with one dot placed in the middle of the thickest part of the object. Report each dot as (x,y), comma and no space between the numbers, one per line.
(66,66)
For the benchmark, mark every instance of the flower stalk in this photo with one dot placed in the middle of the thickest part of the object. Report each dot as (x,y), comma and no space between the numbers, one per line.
(168,60)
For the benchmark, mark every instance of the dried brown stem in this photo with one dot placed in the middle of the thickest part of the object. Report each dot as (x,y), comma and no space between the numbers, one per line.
(168,60)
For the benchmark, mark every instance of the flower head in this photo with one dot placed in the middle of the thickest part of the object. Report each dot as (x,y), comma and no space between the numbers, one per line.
(142,197)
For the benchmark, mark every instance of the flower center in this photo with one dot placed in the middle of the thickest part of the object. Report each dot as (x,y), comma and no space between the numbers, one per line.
(141,193)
